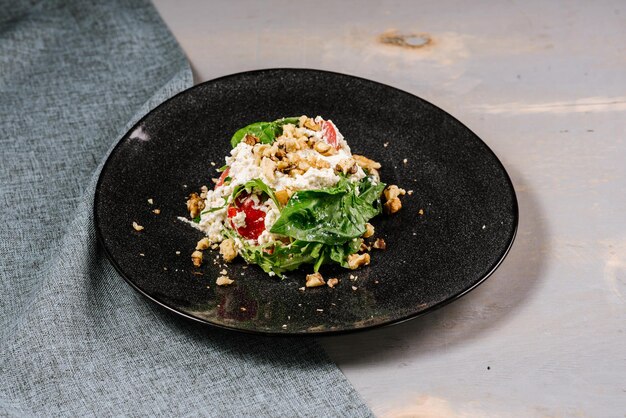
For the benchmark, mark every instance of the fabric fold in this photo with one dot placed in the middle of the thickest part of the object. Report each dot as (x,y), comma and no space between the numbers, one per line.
(75,339)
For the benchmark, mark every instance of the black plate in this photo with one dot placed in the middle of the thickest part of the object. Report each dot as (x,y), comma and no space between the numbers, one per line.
(451,234)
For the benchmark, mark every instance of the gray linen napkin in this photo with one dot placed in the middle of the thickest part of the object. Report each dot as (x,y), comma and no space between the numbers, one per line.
(75,339)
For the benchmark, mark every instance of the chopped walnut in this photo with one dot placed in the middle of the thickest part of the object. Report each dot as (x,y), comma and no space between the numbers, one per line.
(366,163)
(393,191)
(347,165)
(228,250)
(282,196)
(369,230)
(223,281)
(357,260)
(379,244)
(392,206)
(268,167)
(332,282)
(203,244)
(393,203)
(310,123)
(196,258)
(322,147)
(250,139)
(314,280)
(364,248)
(195,205)
(319,163)
(137,227)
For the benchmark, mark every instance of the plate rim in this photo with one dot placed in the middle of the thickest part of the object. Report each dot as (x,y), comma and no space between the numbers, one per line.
(287,333)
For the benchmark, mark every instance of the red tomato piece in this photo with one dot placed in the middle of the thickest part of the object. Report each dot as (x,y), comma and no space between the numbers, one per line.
(329,133)
(220,181)
(255,218)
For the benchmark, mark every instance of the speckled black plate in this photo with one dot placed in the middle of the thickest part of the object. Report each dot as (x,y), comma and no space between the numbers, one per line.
(451,234)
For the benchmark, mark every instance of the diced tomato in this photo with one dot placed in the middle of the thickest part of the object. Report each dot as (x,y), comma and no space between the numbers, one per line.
(220,181)
(329,133)
(255,218)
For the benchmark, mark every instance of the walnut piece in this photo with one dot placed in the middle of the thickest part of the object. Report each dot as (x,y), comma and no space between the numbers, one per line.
(379,244)
(203,244)
(137,227)
(393,191)
(347,165)
(357,260)
(268,167)
(366,163)
(223,281)
(369,230)
(332,282)
(195,205)
(196,258)
(393,205)
(314,280)
(250,139)
(228,250)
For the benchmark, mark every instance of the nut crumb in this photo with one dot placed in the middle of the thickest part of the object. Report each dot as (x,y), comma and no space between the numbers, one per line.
(150,201)
(228,250)
(354,288)
(142,254)
(393,205)
(223,272)
(319,310)
(212,164)
(137,227)
(357,260)
(386,144)
(332,282)
(379,244)
(203,244)
(405,161)
(410,192)
(421,211)
(284,326)
(302,290)
(242,309)
(156,211)
(369,230)
(223,281)
(314,280)
(196,258)
(177,252)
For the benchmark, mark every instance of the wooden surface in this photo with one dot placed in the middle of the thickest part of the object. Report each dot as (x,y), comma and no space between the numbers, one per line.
(545,86)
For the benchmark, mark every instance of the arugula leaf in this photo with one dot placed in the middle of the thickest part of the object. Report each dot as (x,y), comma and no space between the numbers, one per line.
(255,184)
(215,209)
(265,131)
(330,216)
(282,258)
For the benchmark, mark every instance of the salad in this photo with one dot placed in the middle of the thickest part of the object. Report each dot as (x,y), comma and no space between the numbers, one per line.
(291,194)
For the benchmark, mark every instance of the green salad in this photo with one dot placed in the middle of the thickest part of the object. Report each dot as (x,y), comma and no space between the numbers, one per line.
(290,194)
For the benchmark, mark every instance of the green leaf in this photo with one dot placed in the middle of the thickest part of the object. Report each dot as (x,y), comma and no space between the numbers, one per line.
(288,257)
(212,210)
(255,184)
(265,131)
(330,216)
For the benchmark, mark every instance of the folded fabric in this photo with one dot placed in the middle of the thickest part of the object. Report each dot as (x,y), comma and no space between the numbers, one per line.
(75,339)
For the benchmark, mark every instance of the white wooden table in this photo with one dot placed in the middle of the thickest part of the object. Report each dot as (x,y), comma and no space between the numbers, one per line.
(545,86)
